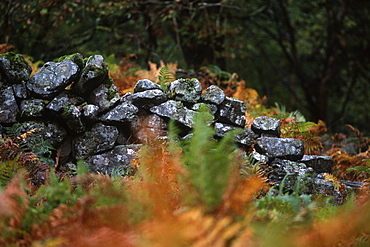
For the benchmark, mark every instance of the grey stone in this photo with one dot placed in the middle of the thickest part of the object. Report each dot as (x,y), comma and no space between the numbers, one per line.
(77,58)
(123,113)
(232,111)
(324,187)
(8,106)
(145,84)
(148,98)
(154,121)
(99,139)
(14,68)
(32,108)
(286,148)
(260,157)
(175,110)
(73,119)
(92,75)
(291,173)
(63,100)
(212,108)
(104,97)
(267,126)
(90,112)
(213,95)
(52,79)
(245,138)
(320,164)
(120,156)
(185,90)
(20,90)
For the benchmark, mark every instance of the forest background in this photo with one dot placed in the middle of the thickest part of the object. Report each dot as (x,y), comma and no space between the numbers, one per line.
(313,56)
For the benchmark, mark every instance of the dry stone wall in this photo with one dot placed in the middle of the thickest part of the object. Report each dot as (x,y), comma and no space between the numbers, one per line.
(72,104)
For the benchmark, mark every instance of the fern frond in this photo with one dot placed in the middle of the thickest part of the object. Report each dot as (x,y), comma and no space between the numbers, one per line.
(165,76)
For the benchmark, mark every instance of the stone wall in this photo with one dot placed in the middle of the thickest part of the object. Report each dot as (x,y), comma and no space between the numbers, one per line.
(72,104)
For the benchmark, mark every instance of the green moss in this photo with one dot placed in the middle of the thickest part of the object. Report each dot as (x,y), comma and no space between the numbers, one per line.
(76,58)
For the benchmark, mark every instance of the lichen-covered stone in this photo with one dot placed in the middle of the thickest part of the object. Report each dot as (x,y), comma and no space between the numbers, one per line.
(286,148)
(14,68)
(32,108)
(99,139)
(245,138)
(120,156)
(122,113)
(90,113)
(63,100)
(148,98)
(145,84)
(104,97)
(175,110)
(52,78)
(213,95)
(232,111)
(212,108)
(92,75)
(267,126)
(322,186)
(185,90)
(76,58)
(320,164)
(8,106)
(20,90)
(73,119)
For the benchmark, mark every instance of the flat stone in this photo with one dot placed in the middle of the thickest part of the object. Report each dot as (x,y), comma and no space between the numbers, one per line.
(145,84)
(104,97)
(213,95)
(320,164)
(52,79)
(286,148)
(232,111)
(267,126)
(175,110)
(148,98)
(246,138)
(20,90)
(63,100)
(8,106)
(90,112)
(99,139)
(14,68)
(123,113)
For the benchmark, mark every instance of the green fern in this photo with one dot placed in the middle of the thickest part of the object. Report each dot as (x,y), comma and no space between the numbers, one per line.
(165,76)
(8,169)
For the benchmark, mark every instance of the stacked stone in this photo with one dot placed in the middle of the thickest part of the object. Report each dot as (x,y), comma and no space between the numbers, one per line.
(288,164)
(74,105)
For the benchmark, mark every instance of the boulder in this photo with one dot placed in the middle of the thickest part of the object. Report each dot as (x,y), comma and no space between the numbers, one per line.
(73,119)
(104,97)
(185,90)
(20,91)
(213,95)
(63,100)
(145,84)
(32,108)
(122,113)
(52,79)
(320,164)
(14,68)
(149,98)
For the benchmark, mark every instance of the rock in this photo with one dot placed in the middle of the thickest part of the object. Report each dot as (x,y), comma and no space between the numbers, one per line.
(260,157)
(123,113)
(148,98)
(8,106)
(90,113)
(266,126)
(63,100)
(175,110)
(153,121)
(246,138)
(286,148)
(92,75)
(20,90)
(77,58)
(145,84)
(73,119)
(99,139)
(14,68)
(290,173)
(212,108)
(52,79)
(322,186)
(320,164)
(32,108)
(213,95)
(51,132)
(185,90)
(232,111)
(104,97)
(120,156)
